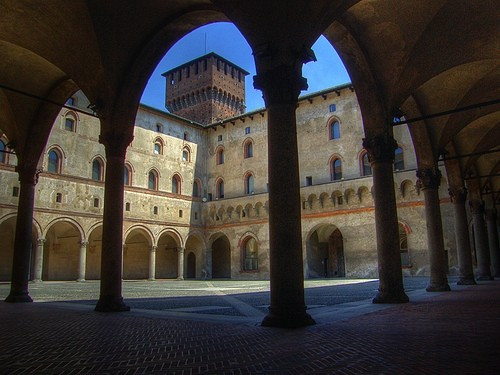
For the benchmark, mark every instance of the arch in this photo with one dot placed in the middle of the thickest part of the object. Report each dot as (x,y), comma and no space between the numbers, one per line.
(248,148)
(249,250)
(335,167)
(186,153)
(153,179)
(408,189)
(195,268)
(94,252)
(221,258)
(172,232)
(176,183)
(325,252)
(219,155)
(404,230)
(61,254)
(219,188)
(249,182)
(167,253)
(197,188)
(97,169)
(364,194)
(365,167)
(158,145)
(136,251)
(333,128)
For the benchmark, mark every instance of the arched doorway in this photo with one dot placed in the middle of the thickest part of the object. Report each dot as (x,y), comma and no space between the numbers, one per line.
(61,254)
(167,257)
(221,258)
(191,266)
(136,255)
(94,250)
(325,253)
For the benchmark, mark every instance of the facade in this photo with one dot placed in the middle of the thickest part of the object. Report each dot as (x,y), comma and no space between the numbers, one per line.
(196,191)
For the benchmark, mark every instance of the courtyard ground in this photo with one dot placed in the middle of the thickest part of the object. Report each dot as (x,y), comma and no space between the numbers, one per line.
(212,327)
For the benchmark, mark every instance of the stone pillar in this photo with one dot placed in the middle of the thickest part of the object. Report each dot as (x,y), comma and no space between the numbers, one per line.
(281,87)
(28,177)
(207,274)
(38,261)
(110,298)
(458,197)
(491,223)
(429,180)
(82,263)
(480,240)
(180,263)
(380,148)
(152,263)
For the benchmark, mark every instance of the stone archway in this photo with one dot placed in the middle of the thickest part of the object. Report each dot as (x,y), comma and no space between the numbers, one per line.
(94,250)
(325,253)
(61,252)
(167,257)
(136,255)
(194,266)
(221,258)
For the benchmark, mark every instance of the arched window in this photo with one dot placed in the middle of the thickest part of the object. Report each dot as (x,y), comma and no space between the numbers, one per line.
(176,184)
(248,149)
(220,155)
(3,155)
(97,169)
(366,169)
(158,147)
(220,188)
(334,130)
(153,180)
(399,163)
(54,162)
(249,183)
(69,123)
(186,154)
(127,175)
(336,169)
(403,246)
(196,188)
(250,253)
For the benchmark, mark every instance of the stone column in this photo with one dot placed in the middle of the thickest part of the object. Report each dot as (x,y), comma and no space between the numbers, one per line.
(281,87)
(152,263)
(180,263)
(429,180)
(110,298)
(491,223)
(38,261)
(208,264)
(480,240)
(458,197)
(380,148)
(82,264)
(28,177)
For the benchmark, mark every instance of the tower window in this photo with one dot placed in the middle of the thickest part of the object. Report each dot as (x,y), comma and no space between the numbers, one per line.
(248,149)
(219,137)
(332,108)
(247,130)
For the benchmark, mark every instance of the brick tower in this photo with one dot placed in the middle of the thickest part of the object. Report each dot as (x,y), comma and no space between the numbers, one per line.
(207,89)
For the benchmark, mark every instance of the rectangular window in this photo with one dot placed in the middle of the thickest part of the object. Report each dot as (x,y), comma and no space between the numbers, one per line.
(180,213)
(239,76)
(205,64)
(218,65)
(247,130)
(219,137)
(15,191)
(127,206)
(96,202)
(58,198)
(180,75)
(172,80)
(155,210)
(188,72)
(70,101)
(210,197)
(309,180)
(196,215)
(333,108)
(196,68)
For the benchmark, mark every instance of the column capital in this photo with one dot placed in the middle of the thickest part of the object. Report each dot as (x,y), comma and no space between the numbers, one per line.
(154,248)
(429,178)
(476,206)
(280,85)
(458,195)
(28,173)
(380,147)
(115,142)
(181,249)
(491,214)
(84,243)
(40,241)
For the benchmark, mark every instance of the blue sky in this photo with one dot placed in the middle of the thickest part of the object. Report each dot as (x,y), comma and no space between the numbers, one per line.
(226,40)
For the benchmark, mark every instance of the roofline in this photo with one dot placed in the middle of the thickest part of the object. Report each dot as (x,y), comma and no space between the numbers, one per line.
(172,115)
(202,57)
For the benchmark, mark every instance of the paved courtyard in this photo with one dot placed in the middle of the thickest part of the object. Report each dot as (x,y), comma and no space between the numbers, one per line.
(212,327)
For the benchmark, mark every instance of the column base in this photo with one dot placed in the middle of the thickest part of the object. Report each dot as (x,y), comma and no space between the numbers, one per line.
(466,281)
(18,297)
(151,279)
(111,304)
(388,297)
(286,319)
(80,280)
(36,281)
(484,278)
(180,278)
(438,288)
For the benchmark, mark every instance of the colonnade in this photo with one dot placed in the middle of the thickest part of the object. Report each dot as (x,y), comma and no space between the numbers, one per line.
(281,86)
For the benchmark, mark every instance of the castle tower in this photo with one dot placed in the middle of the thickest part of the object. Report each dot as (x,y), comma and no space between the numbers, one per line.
(207,89)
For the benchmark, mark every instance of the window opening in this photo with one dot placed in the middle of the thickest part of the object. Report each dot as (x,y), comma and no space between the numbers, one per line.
(127,206)
(15,191)
(250,255)
(335,130)
(249,184)
(54,162)
(309,180)
(96,202)
(399,163)
(336,170)
(247,130)
(69,124)
(152,180)
(365,165)
(332,108)
(155,210)
(96,170)
(58,198)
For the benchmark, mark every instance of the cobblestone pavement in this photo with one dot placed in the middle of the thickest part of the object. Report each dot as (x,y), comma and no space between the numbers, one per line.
(437,333)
